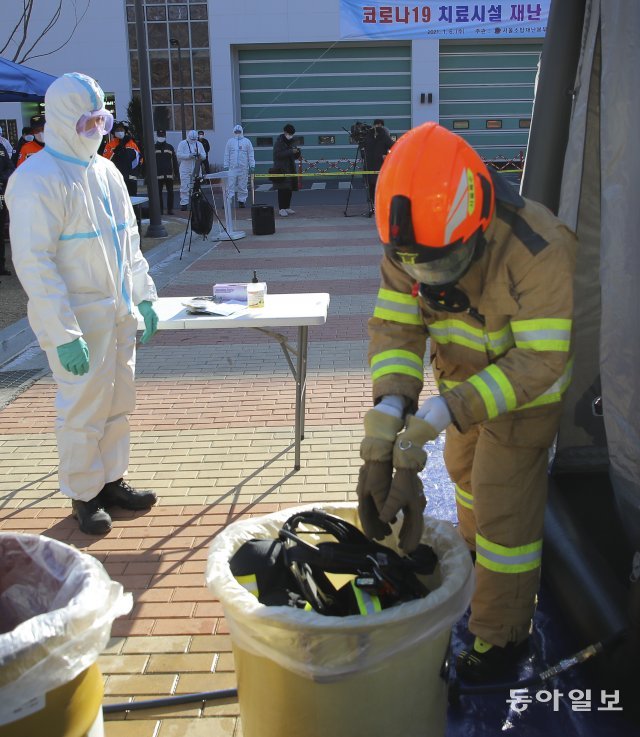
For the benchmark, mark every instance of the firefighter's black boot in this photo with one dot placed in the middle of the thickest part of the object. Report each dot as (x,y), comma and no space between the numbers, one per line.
(483,662)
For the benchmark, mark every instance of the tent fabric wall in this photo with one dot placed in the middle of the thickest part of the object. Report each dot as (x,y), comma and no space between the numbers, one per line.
(22,84)
(600,177)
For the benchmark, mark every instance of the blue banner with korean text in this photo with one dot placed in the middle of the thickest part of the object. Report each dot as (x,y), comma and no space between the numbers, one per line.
(381,19)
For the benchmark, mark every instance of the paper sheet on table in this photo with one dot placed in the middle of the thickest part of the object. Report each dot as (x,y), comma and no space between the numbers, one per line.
(206,306)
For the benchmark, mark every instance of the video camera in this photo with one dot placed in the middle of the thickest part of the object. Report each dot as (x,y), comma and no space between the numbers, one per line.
(358,132)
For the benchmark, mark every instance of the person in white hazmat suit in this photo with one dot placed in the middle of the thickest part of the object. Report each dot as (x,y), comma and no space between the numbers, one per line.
(76,250)
(191,154)
(239,157)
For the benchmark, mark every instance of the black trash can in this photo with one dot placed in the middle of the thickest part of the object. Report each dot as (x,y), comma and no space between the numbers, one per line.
(263,220)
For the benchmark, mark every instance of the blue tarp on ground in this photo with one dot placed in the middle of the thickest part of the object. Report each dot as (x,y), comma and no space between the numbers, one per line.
(22,84)
(488,715)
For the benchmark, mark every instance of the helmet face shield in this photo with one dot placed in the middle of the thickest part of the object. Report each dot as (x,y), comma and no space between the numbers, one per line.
(442,271)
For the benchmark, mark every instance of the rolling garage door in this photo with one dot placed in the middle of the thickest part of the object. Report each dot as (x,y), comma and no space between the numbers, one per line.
(322,91)
(486,95)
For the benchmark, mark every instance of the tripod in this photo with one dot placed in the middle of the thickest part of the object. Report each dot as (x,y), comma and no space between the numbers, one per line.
(360,158)
(197,189)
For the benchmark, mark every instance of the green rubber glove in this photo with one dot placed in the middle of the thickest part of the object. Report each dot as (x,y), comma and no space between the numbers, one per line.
(375,475)
(74,356)
(150,320)
(252,169)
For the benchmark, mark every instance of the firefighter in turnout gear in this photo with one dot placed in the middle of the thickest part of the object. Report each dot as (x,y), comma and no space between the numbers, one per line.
(486,276)
(167,166)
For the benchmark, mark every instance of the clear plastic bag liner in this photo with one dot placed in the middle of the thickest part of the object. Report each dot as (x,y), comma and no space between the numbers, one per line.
(327,648)
(57,606)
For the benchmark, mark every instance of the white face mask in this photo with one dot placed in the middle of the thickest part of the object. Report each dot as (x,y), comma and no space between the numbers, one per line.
(28,138)
(161,140)
(39,137)
(238,135)
(288,136)
(119,134)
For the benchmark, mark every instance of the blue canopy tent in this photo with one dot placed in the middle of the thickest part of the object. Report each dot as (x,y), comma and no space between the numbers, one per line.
(22,84)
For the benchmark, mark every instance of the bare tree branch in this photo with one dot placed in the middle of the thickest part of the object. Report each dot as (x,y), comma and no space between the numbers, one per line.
(19,36)
(52,22)
(77,21)
(15,29)
(25,27)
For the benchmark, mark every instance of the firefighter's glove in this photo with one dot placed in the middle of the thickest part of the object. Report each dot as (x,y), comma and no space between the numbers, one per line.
(409,458)
(381,426)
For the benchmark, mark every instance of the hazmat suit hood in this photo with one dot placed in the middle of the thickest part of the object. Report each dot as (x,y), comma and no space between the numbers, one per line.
(68,99)
(238,129)
(192,136)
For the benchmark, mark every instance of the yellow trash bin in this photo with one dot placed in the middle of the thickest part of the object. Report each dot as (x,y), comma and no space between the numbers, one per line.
(57,606)
(302,673)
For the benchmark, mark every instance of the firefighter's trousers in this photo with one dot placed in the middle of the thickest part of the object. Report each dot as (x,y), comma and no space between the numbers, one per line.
(499,469)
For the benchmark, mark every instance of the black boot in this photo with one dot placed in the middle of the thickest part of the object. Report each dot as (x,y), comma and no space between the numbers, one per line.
(120,494)
(484,662)
(91,516)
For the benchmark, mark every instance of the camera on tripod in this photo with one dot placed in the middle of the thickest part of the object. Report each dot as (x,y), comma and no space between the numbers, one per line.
(358,132)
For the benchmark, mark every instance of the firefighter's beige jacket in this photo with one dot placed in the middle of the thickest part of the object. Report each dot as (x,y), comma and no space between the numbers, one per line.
(512,349)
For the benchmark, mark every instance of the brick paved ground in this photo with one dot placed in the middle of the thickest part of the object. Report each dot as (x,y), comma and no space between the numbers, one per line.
(213,434)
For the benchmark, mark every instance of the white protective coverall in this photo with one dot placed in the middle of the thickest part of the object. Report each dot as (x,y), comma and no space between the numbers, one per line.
(76,250)
(191,154)
(239,157)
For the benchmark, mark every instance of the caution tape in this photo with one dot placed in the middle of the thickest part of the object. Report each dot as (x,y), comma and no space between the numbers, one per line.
(317,174)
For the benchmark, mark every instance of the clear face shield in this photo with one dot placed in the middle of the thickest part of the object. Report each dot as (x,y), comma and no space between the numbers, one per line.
(95,125)
(442,271)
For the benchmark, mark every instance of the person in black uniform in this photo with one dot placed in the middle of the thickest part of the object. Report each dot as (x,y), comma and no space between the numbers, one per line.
(167,166)
(6,167)
(376,146)
(207,147)
(285,155)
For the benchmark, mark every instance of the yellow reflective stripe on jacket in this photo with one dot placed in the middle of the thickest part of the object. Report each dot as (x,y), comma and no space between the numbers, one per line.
(553,394)
(495,390)
(547,334)
(458,332)
(397,307)
(367,604)
(500,341)
(556,391)
(397,362)
(464,498)
(501,559)
(250,583)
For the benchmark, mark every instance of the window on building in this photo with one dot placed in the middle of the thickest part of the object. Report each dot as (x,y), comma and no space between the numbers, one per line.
(494,124)
(459,125)
(180,73)
(524,123)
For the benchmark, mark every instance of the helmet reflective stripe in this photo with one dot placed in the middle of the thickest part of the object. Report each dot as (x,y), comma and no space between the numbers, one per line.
(249,583)
(461,206)
(501,559)
(367,604)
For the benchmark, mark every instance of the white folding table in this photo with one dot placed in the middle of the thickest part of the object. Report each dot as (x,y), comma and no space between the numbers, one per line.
(280,310)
